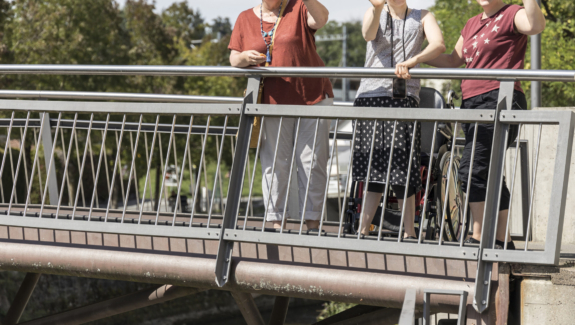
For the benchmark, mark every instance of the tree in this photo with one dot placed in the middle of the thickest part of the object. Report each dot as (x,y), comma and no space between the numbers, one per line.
(331,51)
(558,41)
(63,32)
(183,22)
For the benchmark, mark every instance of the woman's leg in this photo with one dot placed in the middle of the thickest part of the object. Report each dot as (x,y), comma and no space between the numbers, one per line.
(409,216)
(372,201)
(276,196)
(317,171)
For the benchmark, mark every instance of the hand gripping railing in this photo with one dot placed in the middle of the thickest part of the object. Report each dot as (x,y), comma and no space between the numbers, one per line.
(189,123)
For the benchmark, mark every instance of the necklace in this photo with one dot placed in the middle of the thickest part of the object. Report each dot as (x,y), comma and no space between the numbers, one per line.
(271,33)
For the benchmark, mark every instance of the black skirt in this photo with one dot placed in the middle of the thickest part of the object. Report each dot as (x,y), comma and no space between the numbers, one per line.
(382,146)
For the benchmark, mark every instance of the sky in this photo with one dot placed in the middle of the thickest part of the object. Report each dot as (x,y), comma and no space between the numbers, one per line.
(340,10)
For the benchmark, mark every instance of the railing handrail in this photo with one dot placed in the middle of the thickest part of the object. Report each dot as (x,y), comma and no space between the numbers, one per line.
(311,72)
(132,97)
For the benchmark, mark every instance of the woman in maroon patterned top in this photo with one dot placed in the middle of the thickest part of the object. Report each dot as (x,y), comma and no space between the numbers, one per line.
(495,39)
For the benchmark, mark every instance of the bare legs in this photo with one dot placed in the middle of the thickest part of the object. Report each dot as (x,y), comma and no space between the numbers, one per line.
(477,209)
(372,201)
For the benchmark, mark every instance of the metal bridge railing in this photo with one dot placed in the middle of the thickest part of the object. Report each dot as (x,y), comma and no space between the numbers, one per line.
(142,168)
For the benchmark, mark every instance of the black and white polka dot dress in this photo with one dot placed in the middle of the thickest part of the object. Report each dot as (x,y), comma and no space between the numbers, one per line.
(383,137)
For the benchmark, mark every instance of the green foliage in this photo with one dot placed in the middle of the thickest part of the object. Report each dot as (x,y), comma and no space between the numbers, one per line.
(331,51)
(333,308)
(558,41)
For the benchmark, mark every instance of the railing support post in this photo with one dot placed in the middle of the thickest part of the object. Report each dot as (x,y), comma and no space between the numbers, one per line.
(279,312)
(225,249)
(492,200)
(22,297)
(248,308)
(48,147)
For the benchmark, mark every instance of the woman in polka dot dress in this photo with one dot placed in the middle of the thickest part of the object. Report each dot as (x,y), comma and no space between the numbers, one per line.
(394,33)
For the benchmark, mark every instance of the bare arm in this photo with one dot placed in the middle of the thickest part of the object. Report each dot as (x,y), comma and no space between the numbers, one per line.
(246,58)
(453,60)
(435,47)
(371,20)
(317,14)
(530,21)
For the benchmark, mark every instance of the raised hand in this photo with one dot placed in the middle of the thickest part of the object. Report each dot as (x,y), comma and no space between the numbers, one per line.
(377,3)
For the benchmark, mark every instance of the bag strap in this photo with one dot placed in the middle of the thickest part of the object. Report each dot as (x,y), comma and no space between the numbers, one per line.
(272,48)
(277,27)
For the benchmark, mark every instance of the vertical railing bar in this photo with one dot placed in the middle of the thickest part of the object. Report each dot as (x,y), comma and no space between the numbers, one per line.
(12,168)
(161,164)
(533,186)
(175,159)
(198,180)
(83,164)
(309,177)
(220,176)
(106,161)
(116,163)
(118,147)
(387,179)
(291,168)
(517,148)
(205,173)
(135,175)
(41,188)
(100,157)
(19,160)
(148,171)
(166,167)
(34,164)
(249,206)
(49,170)
(92,168)
(25,163)
(81,184)
(253,176)
(333,152)
(6,146)
(272,175)
(66,178)
(181,178)
(190,167)
(134,155)
(221,149)
(466,207)
(444,212)
(367,177)
(428,182)
(149,160)
(338,178)
(400,237)
(348,181)
(66,164)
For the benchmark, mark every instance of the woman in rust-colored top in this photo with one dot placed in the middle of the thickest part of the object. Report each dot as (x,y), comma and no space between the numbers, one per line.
(291,26)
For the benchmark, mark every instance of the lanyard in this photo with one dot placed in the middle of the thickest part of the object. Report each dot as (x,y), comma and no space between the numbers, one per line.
(390,22)
(272,33)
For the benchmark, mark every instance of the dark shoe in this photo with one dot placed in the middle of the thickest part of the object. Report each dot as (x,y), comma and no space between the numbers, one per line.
(472,240)
(510,245)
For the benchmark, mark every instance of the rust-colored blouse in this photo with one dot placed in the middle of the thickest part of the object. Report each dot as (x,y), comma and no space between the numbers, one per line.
(294,46)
